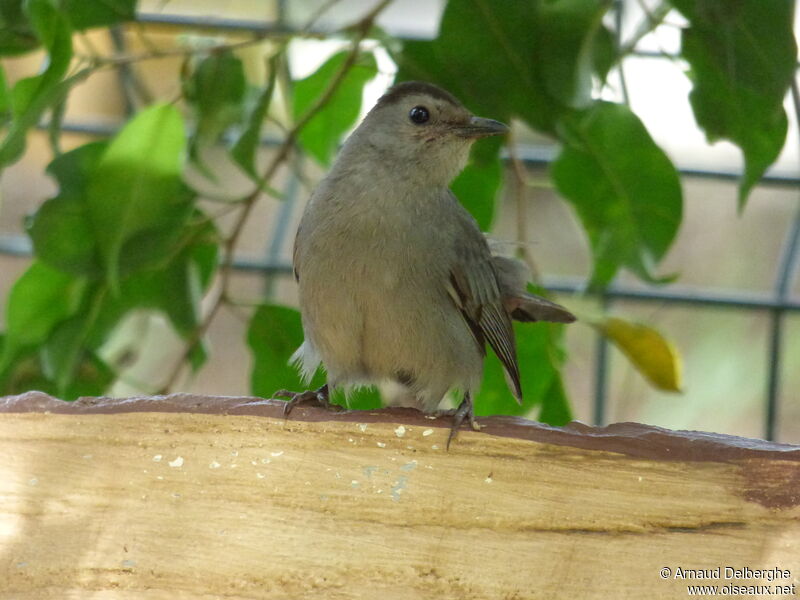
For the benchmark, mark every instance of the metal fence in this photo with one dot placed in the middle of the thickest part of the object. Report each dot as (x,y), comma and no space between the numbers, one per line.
(776,304)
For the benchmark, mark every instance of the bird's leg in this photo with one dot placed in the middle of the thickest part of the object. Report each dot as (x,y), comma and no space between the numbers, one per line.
(464,411)
(319,397)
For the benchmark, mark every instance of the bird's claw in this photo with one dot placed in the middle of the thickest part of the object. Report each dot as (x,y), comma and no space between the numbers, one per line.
(319,397)
(464,411)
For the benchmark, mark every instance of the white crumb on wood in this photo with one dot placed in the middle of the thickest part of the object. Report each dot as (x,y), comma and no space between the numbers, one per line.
(157,458)
(400,431)
(214,465)
(427,432)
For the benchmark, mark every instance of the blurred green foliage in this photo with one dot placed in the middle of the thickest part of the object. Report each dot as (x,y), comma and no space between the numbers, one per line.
(125,233)
(323,132)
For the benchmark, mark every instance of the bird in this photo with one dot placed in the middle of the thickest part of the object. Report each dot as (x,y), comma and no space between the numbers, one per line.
(398,286)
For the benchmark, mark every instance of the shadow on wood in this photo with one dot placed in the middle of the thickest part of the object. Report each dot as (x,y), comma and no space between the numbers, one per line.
(196,497)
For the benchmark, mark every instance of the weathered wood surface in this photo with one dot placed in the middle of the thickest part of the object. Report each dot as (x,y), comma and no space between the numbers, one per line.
(190,497)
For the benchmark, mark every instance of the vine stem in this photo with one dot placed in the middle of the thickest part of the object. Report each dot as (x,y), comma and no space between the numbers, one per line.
(520,192)
(362,29)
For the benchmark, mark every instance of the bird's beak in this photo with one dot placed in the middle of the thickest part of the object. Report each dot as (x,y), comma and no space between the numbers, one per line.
(479,127)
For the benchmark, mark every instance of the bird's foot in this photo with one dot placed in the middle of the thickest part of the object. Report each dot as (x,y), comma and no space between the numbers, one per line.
(464,411)
(320,397)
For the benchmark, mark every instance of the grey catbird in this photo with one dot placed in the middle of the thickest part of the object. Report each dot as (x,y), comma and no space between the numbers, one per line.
(398,287)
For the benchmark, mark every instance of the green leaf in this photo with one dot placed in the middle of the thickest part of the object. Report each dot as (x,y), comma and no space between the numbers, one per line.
(16,33)
(72,170)
(40,299)
(63,237)
(528,59)
(742,55)
(67,356)
(84,14)
(204,252)
(190,277)
(24,373)
(30,98)
(629,203)
(477,185)
(60,229)
(175,289)
(5,98)
(604,54)
(555,406)
(136,186)
(27,372)
(63,351)
(570,47)
(68,366)
(273,335)
(154,248)
(244,150)
(655,357)
(92,378)
(183,284)
(322,133)
(540,356)
(217,90)
(33,95)
(63,232)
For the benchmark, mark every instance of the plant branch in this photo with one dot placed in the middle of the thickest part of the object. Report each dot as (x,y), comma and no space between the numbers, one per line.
(126,59)
(652,19)
(520,193)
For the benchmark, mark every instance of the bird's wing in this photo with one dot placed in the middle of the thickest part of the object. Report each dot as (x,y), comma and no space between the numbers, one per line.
(475,290)
(512,278)
(529,308)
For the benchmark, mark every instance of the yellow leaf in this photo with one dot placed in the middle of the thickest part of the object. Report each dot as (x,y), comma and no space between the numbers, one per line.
(655,357)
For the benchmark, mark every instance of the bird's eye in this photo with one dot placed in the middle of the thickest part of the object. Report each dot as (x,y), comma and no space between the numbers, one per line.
(419,115)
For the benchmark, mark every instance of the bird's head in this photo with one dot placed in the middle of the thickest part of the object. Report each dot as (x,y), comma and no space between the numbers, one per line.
(420,128)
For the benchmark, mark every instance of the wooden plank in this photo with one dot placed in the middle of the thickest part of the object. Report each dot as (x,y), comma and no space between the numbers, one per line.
(188,497)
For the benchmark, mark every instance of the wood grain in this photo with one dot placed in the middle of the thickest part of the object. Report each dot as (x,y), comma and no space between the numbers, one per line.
(136,499)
